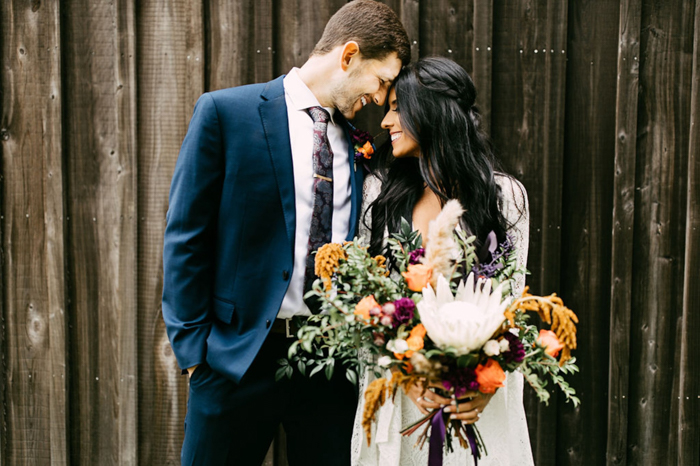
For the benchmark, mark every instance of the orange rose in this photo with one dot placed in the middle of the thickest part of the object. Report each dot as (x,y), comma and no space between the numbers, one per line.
(418,330)
(367,150)
(362,308)
(417,276)
(549,340)
(415,341)
(490,376)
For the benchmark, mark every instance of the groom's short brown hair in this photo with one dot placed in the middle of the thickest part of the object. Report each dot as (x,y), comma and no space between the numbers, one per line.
(373,25)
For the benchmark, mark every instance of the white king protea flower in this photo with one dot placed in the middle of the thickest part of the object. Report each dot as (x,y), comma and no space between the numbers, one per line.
(466,321)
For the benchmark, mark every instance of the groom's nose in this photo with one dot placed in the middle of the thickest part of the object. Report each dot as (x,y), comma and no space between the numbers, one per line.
(380,96)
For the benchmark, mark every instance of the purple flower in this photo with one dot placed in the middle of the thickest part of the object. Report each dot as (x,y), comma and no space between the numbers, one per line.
(516,350)
(405,310)
(360,137)
(462,380)
(491,258)
(416,255)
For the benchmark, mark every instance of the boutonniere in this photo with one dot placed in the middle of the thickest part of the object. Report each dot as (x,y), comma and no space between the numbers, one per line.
(363,142)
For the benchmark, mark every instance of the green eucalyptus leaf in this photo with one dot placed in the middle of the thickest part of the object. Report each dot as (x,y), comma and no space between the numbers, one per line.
(280,373)
(329,369)
(317,369)
(351,376)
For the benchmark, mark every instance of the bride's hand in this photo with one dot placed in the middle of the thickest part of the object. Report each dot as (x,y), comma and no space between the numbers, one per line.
(468,411)
(426,400)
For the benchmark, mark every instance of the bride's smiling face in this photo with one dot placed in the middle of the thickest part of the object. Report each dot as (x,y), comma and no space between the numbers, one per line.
(402,144)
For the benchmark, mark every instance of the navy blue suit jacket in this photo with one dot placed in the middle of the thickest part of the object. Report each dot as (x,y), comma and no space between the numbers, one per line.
(229,240)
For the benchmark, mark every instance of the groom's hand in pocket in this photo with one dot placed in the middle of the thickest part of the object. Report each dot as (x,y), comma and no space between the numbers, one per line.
(190,370)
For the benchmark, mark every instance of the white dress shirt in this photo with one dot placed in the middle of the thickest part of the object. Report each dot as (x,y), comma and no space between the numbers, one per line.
(299,97)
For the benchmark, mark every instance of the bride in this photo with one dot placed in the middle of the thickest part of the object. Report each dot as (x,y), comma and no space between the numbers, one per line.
(438,153)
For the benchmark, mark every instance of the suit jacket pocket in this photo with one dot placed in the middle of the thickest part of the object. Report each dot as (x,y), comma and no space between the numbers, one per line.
(223,310)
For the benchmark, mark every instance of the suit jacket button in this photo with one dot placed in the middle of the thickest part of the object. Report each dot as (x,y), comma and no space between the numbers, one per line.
(285,275)
(267,323)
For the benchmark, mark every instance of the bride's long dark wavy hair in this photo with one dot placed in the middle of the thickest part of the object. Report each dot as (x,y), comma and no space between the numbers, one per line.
(435,103)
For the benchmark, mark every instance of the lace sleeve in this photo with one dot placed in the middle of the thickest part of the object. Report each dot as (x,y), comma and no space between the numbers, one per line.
(516,210)
(370,190)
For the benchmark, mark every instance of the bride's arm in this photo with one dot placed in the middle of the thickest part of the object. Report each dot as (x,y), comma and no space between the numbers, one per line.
(370,190)
(516,211)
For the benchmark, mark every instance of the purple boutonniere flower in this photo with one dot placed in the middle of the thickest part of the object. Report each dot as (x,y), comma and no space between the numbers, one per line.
(363,142)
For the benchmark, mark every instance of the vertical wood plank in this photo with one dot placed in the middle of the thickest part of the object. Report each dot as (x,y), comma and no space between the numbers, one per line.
(660,230)
(447,30)
(32,221)
(298,26)
(100,142)
(529,75)
(623,229)
(593,34)
(409,12)
(240,34)
(170,79)
(689,411)
(483,59)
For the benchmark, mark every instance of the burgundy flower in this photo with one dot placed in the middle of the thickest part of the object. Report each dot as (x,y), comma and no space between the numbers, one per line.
(516,350)
(462,380)
(360,137)
(415,256)
(405,310)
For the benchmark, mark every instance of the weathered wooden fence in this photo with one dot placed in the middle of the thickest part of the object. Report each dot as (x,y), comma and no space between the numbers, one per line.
(593,104)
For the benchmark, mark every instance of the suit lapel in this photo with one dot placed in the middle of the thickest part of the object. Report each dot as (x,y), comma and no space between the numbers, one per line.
(273,112)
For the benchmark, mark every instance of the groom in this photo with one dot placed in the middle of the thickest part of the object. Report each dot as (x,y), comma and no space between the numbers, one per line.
(266,175)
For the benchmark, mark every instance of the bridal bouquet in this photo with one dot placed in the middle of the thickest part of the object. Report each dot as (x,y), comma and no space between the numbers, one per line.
(445,317)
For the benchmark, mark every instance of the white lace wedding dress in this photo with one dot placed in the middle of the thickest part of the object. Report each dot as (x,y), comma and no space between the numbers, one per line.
(502,425)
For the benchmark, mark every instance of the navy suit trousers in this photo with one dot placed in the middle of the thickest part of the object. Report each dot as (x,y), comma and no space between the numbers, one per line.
(233,424)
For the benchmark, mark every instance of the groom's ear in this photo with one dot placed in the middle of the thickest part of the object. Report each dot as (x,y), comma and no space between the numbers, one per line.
(349,53)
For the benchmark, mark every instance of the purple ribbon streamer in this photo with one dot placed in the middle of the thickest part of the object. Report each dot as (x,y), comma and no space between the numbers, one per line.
(437,439)
(471,437)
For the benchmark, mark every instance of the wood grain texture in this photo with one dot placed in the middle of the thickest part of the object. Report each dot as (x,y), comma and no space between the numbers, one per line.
(447,30)
(587,221)
(688,430)
(660,230)
(100,144)
(527,126)
(482,50)
(409,12)
(623,229)
(34,356)
(170,79)
(240,42)
(297,29)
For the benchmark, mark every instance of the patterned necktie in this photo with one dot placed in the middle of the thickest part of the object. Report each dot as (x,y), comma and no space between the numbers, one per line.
(322,216)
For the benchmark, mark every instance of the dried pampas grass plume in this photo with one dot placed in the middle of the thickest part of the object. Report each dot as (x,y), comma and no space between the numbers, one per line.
(440,245)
